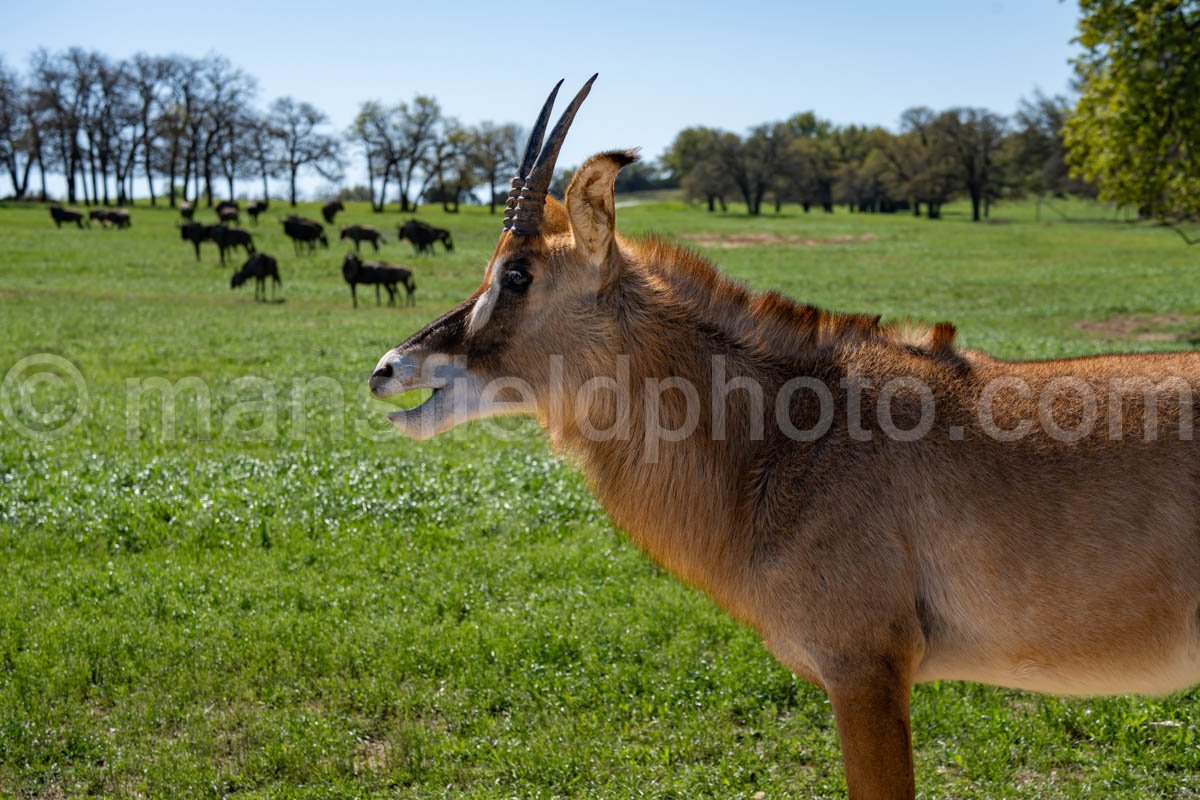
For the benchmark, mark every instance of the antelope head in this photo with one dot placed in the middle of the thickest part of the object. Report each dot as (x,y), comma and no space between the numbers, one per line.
(540,310)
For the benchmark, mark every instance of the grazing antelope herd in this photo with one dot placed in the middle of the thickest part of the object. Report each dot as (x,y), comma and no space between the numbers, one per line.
(978,530)
(306,235)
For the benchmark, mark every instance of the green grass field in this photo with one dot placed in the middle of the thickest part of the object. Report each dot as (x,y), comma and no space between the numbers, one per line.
(269,593)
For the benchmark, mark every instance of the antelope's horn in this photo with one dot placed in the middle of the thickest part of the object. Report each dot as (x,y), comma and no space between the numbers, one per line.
(532,147)
(531,200)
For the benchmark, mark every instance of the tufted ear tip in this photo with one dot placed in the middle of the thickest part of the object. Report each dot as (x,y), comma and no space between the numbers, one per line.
(622,158)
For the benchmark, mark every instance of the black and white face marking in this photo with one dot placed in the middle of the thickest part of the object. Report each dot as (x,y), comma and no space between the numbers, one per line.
(512,275)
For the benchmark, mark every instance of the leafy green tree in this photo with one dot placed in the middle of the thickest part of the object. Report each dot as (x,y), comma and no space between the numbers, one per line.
(753,163)
(808,167)
(972,138)
(860,167)
(1033,157)
(921,166)
(1135,132)
(694,160)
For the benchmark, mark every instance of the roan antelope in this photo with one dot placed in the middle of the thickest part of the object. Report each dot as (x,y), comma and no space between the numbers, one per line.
(979,530)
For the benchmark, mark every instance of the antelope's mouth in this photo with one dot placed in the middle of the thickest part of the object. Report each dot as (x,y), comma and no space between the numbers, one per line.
(433,415)
(435,396)
(452,393)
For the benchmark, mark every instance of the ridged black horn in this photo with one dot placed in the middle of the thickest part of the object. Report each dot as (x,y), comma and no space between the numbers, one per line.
(532,147)
(526,217)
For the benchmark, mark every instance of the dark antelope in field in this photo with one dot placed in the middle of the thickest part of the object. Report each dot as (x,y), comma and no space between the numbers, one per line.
(197,233)
(376,273)
(227,238)
(61,215)
(259,266)
(304,233)
(424,236)
(256,207)
(363,233)
(330,210)
(978,531)
(116,217)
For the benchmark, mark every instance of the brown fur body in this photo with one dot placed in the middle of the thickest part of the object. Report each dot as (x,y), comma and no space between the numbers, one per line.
(967,530)
(868,562)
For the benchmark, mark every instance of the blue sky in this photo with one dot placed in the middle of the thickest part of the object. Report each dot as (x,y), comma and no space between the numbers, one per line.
(663,66)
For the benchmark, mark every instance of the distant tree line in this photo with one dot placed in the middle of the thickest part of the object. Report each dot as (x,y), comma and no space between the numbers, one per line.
(191,126)
(934,158)
(187,124)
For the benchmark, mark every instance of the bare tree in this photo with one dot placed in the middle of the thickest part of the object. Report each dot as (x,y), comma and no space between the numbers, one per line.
(448,165)
(55,100)
(147,80)
(227,91)
(236,148)
(174,125)
(301,143)
(370,132)
(110,124)
(494,151)
(416,124)
(16,134)
(261,140)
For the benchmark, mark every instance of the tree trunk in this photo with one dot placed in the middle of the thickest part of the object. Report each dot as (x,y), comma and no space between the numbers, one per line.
(758,198)
(387,172)
(187,176)
(748,197)
(208,190)
(150,183)
(25,180)
(371,183)
(92,165)
(292,184)
(149,172)
(83,181)
(266,186)
(976,203)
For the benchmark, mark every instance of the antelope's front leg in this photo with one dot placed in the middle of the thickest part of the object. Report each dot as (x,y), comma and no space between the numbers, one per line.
(870,707)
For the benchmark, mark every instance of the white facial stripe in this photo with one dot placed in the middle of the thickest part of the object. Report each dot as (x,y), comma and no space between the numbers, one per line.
(481,312)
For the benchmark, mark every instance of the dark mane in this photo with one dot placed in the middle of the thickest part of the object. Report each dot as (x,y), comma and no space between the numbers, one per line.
(769,321)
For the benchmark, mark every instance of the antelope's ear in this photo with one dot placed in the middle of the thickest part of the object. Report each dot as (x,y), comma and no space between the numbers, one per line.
(591,208)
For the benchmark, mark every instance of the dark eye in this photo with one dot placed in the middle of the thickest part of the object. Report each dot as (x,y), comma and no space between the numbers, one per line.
(517,279)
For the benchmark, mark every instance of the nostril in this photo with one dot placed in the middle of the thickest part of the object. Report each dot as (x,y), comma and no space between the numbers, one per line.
(383,372)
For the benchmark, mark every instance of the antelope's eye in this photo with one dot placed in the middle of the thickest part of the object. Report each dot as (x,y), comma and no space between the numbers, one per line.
(517,279)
